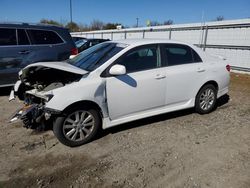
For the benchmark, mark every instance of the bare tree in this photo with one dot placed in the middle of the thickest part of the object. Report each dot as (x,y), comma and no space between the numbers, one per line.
(83,27)
(219,18)
(156,23)
(96,25)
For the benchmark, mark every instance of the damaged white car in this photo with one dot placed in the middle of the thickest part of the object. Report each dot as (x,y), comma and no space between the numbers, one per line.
(117,82)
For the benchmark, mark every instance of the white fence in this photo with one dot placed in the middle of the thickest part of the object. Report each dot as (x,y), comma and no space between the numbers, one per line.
(230,39)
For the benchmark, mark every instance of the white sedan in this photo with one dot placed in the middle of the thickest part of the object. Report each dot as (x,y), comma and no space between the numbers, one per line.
(117,82)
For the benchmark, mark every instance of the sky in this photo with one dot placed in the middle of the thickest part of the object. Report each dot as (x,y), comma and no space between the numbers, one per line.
(123,11)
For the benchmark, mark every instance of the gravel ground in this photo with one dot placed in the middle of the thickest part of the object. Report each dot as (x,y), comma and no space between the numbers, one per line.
(181,149)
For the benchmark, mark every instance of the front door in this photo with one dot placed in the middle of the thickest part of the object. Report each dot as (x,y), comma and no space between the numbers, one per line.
(142,88)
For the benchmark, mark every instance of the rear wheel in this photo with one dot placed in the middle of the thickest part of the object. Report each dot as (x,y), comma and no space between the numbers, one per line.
(206,99)
(77,127)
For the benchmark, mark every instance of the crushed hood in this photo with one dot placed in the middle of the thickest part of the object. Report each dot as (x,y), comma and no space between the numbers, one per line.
(59,65)
(49,75)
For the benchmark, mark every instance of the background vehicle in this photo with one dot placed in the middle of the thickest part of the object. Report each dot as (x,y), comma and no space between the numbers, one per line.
(84,44)
(117,82)
(23,44)
(77,38)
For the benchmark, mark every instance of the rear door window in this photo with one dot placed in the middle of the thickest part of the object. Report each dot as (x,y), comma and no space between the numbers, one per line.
(196,57)
(44,37)
(22,37)
(7,37)
(178,54)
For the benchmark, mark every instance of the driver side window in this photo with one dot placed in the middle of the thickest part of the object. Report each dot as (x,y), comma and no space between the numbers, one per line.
(139,59)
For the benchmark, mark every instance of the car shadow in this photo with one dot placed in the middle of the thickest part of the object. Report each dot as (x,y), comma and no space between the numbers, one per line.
(223,100)
(5,91)
(158,118)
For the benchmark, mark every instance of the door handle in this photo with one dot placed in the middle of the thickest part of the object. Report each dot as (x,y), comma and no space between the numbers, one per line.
(200,70)
(160,76)
(24,52)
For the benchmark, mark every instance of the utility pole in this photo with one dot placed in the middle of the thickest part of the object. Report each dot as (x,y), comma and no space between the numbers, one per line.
(70,11)
(137,22)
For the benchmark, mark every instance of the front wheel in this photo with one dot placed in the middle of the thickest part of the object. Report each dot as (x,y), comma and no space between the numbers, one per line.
(206,99)
(77,127)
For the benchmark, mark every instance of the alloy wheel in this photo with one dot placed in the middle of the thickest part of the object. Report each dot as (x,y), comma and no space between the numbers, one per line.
(78,125)
(207,99)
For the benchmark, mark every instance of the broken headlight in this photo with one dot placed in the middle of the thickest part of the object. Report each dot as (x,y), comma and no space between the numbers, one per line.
(48,97)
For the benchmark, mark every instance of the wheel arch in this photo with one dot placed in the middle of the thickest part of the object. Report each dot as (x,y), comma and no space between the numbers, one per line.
(212,82)
(85,103)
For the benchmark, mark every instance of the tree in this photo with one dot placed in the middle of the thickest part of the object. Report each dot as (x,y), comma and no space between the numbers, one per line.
(168,22)
(72,26)
(51,22)
(111,25)
(219,18)
(96,25)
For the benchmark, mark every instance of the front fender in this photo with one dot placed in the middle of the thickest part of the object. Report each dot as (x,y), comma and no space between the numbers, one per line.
(84,90)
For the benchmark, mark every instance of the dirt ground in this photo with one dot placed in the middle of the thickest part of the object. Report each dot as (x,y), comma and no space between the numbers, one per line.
(181,149)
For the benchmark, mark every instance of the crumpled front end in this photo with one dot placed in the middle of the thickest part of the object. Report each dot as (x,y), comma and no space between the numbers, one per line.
(35,88)
(33,114)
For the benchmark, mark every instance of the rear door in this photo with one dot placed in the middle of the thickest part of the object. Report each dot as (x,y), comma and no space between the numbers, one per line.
(46,45)
(184,73)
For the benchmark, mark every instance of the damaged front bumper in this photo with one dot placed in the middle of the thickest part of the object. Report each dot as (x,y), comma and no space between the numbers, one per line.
(33,114)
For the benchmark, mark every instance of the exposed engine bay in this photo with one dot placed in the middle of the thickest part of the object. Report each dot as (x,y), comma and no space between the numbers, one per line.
(45,78)
(33,88)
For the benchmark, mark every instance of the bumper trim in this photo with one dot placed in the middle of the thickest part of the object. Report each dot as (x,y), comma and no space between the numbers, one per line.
(52,111)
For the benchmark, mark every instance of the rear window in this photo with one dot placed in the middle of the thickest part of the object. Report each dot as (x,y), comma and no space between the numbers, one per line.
(196,57)
(7,37)
(44,37)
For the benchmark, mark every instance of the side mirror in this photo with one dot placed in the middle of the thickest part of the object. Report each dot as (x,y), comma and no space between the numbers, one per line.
(117,70)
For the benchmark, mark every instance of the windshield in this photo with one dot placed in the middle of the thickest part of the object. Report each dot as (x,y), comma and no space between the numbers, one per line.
(95,56)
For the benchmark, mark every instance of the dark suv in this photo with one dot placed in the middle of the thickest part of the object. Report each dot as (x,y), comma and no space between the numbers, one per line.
(23,44)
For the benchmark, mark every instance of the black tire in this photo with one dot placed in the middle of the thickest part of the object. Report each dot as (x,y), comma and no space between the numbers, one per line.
(59,127)
(198,106)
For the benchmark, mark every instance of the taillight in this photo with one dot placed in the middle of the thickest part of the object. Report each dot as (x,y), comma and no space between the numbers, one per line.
(228,68)
(74,51)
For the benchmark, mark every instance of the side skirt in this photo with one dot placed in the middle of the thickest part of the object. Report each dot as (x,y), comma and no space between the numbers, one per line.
(107,122)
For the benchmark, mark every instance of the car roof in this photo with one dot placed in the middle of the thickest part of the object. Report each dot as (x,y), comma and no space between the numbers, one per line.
(138,42)
(31,26)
